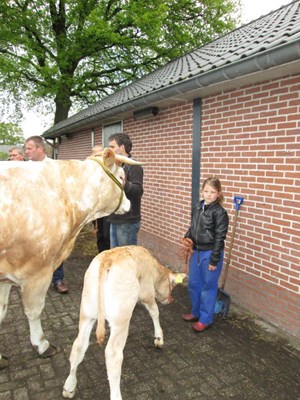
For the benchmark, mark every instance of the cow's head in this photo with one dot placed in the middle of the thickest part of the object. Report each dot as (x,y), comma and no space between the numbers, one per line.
(163,288)
(113,167)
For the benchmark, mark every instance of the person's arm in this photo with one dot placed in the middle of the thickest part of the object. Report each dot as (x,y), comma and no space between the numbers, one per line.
(221,228)
(134,182)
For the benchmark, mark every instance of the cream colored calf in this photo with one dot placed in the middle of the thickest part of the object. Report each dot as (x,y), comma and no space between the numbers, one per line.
(43,206)
(114,282)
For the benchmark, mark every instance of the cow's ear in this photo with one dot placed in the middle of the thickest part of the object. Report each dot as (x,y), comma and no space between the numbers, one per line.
(177,278)
(108,157)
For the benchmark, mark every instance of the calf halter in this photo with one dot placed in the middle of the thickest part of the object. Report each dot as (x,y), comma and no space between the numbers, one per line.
(112,177)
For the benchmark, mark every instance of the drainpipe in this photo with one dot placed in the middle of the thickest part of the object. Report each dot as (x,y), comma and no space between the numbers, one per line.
(196,150)
(92,137)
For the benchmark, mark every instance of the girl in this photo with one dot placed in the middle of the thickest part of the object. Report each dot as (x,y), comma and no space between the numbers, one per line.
(208,232)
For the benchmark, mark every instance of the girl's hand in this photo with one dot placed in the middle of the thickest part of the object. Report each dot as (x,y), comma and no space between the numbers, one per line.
(212,267)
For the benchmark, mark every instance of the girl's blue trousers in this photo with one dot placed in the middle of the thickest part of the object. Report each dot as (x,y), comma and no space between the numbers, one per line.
(203,285)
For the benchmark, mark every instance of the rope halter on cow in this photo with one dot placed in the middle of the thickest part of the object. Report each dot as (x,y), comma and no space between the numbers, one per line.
(112,177)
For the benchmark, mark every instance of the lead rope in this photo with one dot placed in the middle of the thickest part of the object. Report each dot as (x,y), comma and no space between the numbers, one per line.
(185,252)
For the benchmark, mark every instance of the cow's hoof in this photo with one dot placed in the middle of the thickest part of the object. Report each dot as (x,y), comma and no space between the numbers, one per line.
(68,395)
(4,362)
(50,352)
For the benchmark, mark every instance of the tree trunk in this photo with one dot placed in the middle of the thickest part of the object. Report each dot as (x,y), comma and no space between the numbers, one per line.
(63,103)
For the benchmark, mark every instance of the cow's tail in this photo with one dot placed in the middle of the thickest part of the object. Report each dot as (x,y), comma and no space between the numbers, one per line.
(100,331)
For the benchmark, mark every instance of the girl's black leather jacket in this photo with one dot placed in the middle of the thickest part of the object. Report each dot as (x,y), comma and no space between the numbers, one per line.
(209,228)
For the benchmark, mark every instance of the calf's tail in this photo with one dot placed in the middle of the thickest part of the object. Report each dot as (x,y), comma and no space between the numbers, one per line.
(100,331)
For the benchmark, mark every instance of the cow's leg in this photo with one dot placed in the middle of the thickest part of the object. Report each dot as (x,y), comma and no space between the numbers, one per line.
(158,332)
(33,296)
(4,295)
(114,357)
(78,351)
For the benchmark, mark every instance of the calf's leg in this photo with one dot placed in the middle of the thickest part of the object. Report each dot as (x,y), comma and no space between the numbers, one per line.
(114,357)
(154,314)
(4,295)
(78,351)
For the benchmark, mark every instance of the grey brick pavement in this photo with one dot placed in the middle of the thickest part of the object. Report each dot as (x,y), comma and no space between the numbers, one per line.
(236,359)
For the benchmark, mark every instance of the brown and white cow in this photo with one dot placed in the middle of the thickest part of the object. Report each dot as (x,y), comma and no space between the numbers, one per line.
(43,206)
(114,282)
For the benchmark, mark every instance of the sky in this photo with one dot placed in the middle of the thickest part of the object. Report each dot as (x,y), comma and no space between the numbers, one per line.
(252,9)
(34,124)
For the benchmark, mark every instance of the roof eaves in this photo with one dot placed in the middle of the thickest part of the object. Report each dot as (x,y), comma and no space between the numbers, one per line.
(267,58)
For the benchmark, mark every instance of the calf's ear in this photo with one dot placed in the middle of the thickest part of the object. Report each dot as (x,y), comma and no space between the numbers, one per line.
(176,278)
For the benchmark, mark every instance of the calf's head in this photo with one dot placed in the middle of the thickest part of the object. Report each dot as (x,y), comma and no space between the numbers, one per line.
(165,285)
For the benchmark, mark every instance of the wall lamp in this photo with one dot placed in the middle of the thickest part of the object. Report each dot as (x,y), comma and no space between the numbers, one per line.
(145,113)
(59,139)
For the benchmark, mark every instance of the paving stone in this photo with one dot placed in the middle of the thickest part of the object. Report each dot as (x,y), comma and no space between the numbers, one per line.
(236,359)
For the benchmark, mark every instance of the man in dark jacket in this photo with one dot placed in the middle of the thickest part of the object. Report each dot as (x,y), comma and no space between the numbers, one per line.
(124,228)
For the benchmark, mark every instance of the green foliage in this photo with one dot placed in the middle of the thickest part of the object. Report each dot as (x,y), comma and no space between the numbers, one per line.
(77,52)
(3,156)
(10,134)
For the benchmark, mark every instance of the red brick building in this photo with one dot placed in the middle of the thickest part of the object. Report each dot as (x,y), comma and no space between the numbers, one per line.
(231,109)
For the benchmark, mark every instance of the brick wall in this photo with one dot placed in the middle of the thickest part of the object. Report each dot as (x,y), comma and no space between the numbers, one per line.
(79,145)
(164,145)
(250,140)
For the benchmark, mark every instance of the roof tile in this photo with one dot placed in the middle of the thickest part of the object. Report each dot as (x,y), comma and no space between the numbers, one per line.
(263,34)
